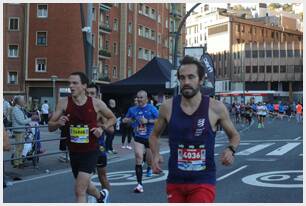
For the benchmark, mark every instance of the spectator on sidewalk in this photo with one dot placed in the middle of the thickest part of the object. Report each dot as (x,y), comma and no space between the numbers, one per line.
(45,112)
(19,119)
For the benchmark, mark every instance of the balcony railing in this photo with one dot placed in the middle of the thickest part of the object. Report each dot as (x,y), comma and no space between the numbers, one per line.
(104,53)
(105,27)
(105,7)
(104,78)
(176,13)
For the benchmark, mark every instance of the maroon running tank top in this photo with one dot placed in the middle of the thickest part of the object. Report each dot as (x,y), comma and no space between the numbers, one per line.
(81,120)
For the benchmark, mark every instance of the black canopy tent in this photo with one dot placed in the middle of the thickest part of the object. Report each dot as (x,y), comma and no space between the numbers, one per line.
(152,78)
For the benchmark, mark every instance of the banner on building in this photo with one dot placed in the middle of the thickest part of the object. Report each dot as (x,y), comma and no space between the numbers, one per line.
(209,81)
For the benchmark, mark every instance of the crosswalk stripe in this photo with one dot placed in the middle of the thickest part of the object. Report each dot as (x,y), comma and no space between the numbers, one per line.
(218,145)
(284,149)
(254,149)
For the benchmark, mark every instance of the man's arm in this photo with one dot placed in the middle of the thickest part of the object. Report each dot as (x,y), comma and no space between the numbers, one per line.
(107,114)
(227,156)
(57,120)
(159,126)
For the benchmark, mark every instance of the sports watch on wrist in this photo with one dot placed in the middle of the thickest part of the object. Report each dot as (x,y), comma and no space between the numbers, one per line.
(232,148)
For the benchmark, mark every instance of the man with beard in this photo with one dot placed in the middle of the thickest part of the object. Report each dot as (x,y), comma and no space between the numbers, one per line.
(192,123)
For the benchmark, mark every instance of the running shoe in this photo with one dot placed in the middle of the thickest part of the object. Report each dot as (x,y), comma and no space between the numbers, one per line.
(129,147)
(149,172)
(138,189)
(91,199)
(123,147)
(106,195)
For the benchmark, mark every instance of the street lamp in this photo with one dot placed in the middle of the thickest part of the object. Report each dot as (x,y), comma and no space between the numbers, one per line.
(54,78)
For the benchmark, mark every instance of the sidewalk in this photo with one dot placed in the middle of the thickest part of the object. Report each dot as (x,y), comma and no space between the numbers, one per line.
(49,164)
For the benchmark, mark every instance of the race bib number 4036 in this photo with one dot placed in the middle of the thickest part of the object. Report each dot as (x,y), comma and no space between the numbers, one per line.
(191,159)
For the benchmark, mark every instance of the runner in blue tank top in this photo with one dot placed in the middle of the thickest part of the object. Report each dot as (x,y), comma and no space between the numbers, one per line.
(192,121)
(142,118)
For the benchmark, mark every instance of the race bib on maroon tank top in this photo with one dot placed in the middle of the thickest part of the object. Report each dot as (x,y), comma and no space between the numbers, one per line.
(191,157)
(79,134)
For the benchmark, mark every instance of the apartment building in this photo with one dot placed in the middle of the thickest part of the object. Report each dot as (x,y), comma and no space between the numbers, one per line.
(44,43)
(135,34)
(230,37)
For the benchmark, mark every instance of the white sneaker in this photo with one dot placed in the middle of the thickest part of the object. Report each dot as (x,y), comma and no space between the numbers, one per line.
(106,195)
(91,199)
(138,189)
(123,147)
(129,147)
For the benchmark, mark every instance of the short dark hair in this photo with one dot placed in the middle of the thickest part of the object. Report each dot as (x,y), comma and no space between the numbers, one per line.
(93,85)
(83,77)
(45,101)
(190,60)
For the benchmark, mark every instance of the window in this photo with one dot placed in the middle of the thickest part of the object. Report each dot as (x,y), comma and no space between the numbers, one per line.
(290,68)
(93,14)
(131,7)
(247,69)
(147,54)
(275,69)
(238,28)
(41,65)
(13,24)
(255,69)
(115,48)
(129,72)
(248,54)
(261,69)
(275,53)
(158,18)
(140,9)
(153,14)
(41,38)
(289,53)
(115,24)
(255,53)
(42,10)
(12,78)
(130,27)
(115,71)
(166,23)
(283,69)
(129,50)
(152,54)
(158,38)
(297,53)
(147,11)
(13,51)
(269,69)
(238,55)
(261,53)
(147,33)
(297,68)
(242,28)
(105,70)
(282,53)
(268,53)
(140,53)
(153,36)
(140,31)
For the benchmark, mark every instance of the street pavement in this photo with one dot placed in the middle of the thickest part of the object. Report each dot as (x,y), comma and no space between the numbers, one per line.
(268,168)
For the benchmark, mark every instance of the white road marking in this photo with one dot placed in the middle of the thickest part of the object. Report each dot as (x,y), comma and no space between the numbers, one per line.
(254,149)
(284,149)
(232,172)
(298,138)
(263,140)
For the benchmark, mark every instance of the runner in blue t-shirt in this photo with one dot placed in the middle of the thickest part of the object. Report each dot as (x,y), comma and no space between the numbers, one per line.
(142,118)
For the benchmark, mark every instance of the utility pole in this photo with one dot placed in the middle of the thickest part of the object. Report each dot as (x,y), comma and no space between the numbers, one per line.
(177,35)
(87,39)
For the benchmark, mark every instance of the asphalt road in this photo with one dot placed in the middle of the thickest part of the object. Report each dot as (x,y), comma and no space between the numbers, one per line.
(268,169)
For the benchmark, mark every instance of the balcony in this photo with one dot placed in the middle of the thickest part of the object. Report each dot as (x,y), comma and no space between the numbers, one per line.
(105,7)
(105,27)
(104,78)
(175,13)
(104,54)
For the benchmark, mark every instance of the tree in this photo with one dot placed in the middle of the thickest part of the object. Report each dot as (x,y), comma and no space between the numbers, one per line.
(274,6)
(287,7)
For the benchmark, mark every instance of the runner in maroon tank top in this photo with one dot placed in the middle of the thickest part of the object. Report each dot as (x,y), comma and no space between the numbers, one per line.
(77,114)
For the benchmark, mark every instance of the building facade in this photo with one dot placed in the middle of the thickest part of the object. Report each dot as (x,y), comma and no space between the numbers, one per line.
(243,48)
(44,43)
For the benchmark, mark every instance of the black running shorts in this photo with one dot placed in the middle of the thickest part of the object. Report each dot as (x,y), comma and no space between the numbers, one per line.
(83,162)
(143,141)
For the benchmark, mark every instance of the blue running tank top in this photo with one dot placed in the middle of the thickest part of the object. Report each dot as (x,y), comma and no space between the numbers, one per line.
(192,142)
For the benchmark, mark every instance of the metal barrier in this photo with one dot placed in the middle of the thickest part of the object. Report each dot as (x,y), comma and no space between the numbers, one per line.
(35,155)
